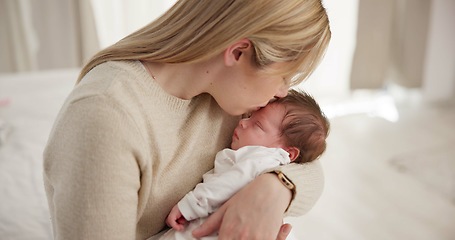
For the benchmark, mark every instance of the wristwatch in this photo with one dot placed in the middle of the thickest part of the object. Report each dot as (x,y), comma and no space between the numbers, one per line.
(284,180)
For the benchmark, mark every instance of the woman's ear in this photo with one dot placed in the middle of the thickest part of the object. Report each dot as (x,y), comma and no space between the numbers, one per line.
(236,51)
(293,152)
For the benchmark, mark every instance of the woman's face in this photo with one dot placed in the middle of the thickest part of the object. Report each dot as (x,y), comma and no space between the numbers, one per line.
(249,89)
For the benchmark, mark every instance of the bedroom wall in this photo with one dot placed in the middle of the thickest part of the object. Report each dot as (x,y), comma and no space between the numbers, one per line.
(331,78)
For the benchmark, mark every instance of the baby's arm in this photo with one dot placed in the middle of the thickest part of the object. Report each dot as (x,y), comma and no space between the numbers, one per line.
(175,219)
(228,177)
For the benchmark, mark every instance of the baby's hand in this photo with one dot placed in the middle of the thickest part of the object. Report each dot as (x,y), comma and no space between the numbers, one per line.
(176,220)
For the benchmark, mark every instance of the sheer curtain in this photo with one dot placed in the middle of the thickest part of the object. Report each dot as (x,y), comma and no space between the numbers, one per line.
(391,43)
(46,34)
(18,40)
(50,34)
(408,43)
(117,18)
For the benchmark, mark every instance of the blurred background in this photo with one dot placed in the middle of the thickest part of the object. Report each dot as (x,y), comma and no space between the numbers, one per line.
(387,84)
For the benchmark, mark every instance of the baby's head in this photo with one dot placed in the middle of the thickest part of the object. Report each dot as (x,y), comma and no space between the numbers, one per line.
(294,123)
(304,125)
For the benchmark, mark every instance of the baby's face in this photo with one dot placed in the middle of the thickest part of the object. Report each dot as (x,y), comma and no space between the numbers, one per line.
(262,128)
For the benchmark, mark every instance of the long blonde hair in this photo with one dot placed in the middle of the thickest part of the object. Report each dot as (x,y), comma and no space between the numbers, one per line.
(294,31)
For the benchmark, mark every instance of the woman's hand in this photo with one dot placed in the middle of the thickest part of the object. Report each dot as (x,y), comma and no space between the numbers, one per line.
(255,212)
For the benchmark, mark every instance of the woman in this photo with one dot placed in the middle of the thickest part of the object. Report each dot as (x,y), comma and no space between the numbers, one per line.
(150,112)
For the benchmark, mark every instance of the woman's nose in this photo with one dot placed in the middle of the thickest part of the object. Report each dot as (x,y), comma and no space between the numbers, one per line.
(282,92)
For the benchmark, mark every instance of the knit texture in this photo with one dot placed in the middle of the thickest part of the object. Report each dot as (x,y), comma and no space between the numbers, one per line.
(123,152)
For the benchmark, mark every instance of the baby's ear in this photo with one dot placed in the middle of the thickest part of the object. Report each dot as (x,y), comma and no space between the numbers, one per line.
(293,152)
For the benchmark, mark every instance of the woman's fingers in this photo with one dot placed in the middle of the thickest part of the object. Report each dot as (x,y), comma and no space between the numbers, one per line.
(284,231)
(211,225)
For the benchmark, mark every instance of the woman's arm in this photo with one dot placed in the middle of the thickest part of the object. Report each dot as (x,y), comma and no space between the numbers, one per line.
(91,175)
(258,209)
(308,179)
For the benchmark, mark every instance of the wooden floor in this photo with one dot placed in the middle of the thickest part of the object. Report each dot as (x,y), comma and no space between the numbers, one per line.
(366,196)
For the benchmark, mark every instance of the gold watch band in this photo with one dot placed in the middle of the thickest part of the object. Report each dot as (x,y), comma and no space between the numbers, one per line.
(284,180)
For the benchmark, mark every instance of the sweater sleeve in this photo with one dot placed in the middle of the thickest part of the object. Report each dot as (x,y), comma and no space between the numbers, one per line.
(308,179)
(91,172)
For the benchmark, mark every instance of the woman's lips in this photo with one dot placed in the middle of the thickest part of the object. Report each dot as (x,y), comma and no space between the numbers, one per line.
(235,136)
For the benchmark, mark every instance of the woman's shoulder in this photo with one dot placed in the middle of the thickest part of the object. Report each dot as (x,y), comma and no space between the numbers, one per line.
(113,79)
(107,74)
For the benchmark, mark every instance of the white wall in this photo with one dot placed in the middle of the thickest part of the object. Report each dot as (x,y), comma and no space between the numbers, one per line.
(331,78)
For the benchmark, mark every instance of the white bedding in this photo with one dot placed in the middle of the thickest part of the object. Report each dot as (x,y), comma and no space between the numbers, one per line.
(29,104)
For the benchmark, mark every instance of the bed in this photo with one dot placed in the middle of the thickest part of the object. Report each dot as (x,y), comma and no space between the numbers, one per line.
(29,103)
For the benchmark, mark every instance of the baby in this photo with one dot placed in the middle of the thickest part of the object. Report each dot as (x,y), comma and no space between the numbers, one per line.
(291,129)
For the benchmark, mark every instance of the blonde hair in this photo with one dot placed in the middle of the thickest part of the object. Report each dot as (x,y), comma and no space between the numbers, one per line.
(294,31)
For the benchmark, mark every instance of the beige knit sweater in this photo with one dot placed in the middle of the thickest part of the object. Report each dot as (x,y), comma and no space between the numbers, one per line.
(123,152)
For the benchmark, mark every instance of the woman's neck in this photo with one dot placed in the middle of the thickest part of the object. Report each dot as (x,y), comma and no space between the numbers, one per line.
(182,80)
